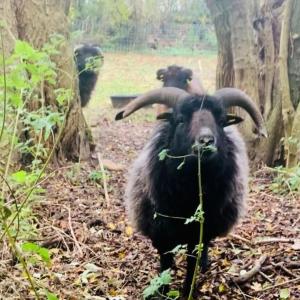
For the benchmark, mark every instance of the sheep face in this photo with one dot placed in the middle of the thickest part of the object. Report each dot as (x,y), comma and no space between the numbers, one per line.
(175,76)
(198,125)
(86,57)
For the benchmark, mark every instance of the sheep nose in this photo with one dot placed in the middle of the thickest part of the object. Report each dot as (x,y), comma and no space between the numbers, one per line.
(206,140)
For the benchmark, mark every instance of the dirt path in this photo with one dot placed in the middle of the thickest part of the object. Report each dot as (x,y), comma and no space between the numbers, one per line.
(95,255)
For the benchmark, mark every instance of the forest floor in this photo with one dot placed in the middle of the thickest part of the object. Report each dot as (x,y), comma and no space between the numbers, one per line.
(97,256)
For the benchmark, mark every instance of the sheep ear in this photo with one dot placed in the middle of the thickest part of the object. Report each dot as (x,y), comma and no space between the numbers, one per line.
(232,119)
(160,74)
(188,73)
(165,116)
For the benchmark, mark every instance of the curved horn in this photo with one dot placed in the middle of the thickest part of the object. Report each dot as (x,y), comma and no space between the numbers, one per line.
(235,97)
(167,95)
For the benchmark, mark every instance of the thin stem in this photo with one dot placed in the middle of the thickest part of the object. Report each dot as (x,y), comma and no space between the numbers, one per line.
(201,222)
(180,156)
(4,85)
(171,217)
(41,132)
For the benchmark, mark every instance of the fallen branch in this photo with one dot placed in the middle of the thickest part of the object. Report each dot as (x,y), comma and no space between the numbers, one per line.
(256,268)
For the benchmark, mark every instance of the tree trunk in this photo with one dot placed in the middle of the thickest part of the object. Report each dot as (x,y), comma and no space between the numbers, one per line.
(35,22)
(294,84)
(220,15)
(258,46)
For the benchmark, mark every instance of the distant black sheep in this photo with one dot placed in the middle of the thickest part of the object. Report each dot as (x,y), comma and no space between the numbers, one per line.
(158,187)
(88,59)
(180,77)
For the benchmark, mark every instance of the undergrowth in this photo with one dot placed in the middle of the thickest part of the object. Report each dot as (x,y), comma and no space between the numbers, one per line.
(286,180)
(30,130)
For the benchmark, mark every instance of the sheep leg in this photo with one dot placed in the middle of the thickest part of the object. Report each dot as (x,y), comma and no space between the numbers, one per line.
(166,261)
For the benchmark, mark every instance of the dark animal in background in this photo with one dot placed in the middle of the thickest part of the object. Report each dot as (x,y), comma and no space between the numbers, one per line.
(88,58)
(180,77)
(158,187)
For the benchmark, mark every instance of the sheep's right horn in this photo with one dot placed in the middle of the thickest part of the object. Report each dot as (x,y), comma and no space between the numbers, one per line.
(168,96)
(235,97)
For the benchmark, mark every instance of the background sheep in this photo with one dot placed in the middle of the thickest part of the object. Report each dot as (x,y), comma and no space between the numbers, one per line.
(180,77)
(159,187)
(88,59)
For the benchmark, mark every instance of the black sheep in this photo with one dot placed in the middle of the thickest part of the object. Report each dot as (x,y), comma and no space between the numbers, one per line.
(158,187)
(88,59)
(180,77)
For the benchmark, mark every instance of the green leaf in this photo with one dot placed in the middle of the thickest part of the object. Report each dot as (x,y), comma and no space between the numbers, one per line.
(179,249)
(284,293)
(6,212)
(163,279)
(163,154)
(19,177)
(40,251)
(173,294)
(51,296)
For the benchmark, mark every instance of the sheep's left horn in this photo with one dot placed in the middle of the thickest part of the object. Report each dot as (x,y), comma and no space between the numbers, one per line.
(166,95)
(235,97)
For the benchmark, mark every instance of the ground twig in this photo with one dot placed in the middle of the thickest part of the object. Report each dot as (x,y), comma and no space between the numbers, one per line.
(266,240)
(73,234)
(256,268)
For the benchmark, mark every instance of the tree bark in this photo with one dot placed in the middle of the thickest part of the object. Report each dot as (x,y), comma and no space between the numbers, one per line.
(220,15)
(294,84)
(266,66)
(35,22)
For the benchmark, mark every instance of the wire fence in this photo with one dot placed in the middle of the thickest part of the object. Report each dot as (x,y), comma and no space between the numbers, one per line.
(171,37)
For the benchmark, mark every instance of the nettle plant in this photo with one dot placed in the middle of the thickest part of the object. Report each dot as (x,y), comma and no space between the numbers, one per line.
(28,128)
